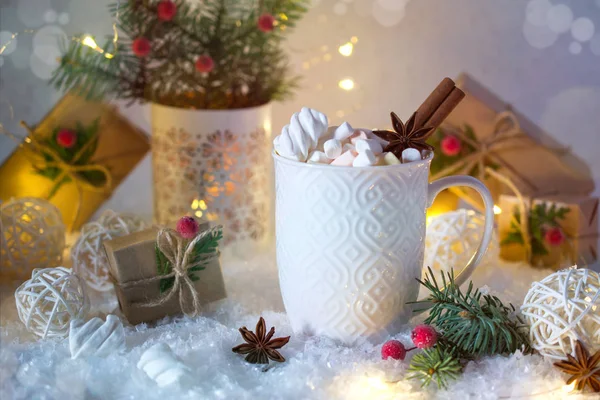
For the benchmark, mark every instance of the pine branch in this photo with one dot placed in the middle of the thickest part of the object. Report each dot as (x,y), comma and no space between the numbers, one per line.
(436,364)
(474,324)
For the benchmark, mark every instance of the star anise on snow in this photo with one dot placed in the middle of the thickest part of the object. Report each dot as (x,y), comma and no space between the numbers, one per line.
(259,346)
(405,136)
(584,370)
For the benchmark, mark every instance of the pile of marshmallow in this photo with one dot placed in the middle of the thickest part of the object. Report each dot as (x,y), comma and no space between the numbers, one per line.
(308,138)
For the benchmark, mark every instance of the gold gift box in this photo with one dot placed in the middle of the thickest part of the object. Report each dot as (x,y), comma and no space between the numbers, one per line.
(120,147)
(133,258)
(534,162)
(580,227)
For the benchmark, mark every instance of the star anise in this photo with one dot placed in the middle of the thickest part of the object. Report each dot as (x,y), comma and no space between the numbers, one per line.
(259,346)
(584,370)
(405,136)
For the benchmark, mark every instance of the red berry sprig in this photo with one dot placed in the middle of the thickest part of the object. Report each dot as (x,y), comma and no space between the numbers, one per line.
(266,22)
(393,349)
(554,236)
(424,336)
(187,227)
(451,145)
(205,64)
(141,47)
(166,10)
(66,138)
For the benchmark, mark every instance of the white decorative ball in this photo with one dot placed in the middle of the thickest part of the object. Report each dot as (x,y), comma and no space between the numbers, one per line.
(33,236)
(562,308)
(87,253)
(452,239)
(96,337)
(49,300)
(164,367)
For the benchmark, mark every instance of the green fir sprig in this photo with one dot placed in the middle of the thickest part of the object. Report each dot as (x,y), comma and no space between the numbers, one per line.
(471,323)
(250,65)
(203,249)
(437,364)
(541,217)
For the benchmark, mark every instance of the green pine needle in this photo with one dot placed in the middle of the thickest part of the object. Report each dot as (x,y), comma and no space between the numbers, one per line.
(473,324)
(436,364)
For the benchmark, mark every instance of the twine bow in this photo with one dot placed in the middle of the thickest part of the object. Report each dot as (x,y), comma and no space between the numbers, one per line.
(181,257)
(38,152)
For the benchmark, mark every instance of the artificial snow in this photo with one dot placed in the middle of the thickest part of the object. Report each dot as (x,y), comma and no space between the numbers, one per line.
(316,367)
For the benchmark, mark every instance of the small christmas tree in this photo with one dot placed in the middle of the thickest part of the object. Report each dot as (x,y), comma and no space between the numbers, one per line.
(211,54)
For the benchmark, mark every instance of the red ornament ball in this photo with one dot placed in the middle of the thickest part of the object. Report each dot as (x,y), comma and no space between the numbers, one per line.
(451,145)
(204,63)
(66,138)
(424,336)
(266,22)
(187,227)
(393,349)
(166,10)
(141,47)
(554,236)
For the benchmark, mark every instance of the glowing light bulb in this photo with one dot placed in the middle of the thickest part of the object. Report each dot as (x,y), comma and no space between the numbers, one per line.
(346,84)
(346,49)
(89,42)
(497,210)
(354,39)
(198,214)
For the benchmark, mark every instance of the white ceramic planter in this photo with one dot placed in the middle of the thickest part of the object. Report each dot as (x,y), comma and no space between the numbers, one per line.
(214,164)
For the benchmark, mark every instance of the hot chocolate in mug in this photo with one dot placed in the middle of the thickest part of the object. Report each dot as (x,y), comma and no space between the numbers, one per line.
(350,243)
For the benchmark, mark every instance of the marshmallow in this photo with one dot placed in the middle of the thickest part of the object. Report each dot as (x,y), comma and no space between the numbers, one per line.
(358,135)
(347,147)
(410,155)
(371,144)
(333,148)
(390,159)
(284,146)
(318,157)
(313,123)
(343,132)
(345,160)
(365,159)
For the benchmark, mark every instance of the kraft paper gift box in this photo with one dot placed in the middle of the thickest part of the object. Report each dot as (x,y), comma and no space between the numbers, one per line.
(133,258)
(119,148)
(532,160)
(580,226)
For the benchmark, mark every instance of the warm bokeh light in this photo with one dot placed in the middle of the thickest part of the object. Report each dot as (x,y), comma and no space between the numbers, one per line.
(497,210)
(346,49)
(89,42)
(346,84)
(354,39)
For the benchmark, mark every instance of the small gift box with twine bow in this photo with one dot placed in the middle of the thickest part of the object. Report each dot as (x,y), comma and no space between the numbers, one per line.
(484,132)
(75,157)
(559,231)
(160,272)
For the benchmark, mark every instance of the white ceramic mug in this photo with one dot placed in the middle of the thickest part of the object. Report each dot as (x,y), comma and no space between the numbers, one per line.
(350,243)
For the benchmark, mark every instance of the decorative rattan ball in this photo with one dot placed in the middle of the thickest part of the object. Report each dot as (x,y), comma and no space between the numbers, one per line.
(452,239)
(33,236)
(87,254)
(562,308)
(49,300)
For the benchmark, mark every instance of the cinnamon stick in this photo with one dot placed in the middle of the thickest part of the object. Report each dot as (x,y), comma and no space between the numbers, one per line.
(433,102)
(445,108)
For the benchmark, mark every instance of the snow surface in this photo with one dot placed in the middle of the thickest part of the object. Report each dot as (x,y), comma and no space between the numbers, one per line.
(316,368)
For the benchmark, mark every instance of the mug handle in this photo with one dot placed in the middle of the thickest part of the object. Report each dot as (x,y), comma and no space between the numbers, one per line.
(435,188)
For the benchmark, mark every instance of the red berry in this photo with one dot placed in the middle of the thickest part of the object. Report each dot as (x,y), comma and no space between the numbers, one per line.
(394,349)
(266,22)
(204,63)
(166,10)
(451,145)
(187,227)
(141,47)
(554,236)
(66,138)
(424,336)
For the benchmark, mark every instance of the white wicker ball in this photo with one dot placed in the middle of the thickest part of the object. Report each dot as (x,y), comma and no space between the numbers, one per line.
(33,236)
(562,308)
(452,239)
(87,253)
(49,300)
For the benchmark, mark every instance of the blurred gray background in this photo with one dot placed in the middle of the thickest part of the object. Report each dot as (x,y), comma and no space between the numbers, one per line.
(542,56)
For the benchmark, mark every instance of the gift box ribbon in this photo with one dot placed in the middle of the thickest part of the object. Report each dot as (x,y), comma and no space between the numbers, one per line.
(180,254)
